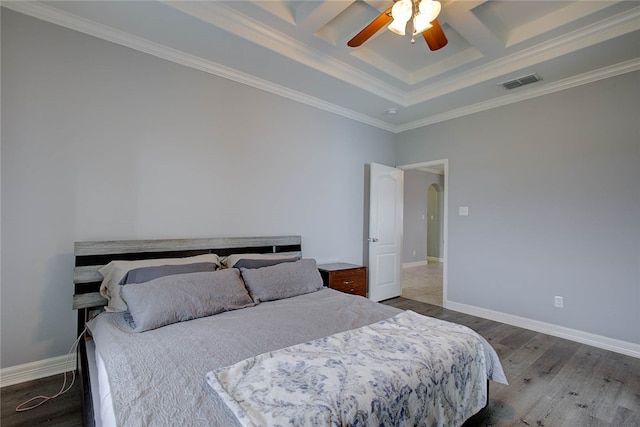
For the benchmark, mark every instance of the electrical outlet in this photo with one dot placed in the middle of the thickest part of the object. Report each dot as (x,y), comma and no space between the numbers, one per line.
(558,302)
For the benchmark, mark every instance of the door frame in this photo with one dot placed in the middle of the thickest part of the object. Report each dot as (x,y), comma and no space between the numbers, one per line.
(445,227)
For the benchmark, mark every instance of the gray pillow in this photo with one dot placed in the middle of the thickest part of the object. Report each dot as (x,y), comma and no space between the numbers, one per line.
(259,263)
(284,280)
(231,260)
(144,274)
(181,297)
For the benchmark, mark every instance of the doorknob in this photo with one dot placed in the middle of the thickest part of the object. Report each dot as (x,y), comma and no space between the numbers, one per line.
(372,239)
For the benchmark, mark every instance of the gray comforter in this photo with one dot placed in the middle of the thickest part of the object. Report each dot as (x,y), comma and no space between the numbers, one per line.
(157,377)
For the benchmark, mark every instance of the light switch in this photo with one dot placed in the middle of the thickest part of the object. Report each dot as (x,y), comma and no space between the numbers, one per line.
(463,210)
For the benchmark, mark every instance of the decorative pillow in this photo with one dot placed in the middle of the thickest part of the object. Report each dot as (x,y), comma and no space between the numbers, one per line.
(283,280)
(231,260)
(182,297)
(116,270)
(259,263)
(144,274)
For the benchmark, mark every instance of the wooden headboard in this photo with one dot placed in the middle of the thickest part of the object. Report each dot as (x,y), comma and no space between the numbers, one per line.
(91,256)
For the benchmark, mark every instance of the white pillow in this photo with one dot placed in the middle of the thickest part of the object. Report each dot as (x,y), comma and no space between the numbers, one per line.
(116,270)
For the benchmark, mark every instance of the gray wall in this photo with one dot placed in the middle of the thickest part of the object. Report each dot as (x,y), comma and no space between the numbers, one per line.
(416,183)
(103,142)
(553,190)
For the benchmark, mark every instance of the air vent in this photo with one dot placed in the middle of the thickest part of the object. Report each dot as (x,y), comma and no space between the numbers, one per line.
(521,81)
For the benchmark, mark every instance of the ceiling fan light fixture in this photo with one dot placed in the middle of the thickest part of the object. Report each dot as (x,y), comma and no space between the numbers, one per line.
(430,9)
(401,13)
(397,28)
(422,13)
(420,24)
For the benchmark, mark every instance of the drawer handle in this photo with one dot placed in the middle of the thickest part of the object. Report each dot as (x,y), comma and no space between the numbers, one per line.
(348,282)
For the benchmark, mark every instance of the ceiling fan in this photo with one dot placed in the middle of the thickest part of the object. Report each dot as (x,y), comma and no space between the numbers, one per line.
(423,15)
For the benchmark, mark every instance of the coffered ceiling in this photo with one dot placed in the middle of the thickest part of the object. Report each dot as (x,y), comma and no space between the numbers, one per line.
(298,49)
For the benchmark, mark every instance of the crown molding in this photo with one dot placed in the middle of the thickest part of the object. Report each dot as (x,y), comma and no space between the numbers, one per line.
(254,31)
(617,25)
(74,22)
(568,83)
(224,17)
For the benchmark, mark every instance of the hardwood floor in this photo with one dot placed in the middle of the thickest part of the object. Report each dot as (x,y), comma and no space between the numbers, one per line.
(65,411)
(552,382)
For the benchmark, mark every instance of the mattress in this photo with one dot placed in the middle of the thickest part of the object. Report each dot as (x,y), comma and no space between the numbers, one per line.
(157,377)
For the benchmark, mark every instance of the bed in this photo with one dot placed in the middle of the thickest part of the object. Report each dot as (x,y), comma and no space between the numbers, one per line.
(273,346)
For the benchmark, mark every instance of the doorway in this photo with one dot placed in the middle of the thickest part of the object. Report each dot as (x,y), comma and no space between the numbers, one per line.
(434,224)
(425,229)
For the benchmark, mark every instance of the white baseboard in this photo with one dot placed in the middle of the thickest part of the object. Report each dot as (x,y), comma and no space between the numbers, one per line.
(611,344)
(414,264)
(432,258)
(35,370)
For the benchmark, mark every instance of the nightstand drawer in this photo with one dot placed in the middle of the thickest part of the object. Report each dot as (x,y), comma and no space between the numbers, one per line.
(351,288)
(348,277)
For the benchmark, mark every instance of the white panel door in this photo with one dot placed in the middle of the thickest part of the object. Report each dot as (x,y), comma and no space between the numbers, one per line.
(385,231)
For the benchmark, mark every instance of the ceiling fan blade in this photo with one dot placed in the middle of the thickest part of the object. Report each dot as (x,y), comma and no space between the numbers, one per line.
(371,29)
(435,37)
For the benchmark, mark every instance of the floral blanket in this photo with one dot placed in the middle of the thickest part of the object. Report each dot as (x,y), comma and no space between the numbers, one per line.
(405,370)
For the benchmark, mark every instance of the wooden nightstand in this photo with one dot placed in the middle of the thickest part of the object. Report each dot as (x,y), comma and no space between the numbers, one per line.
(349,278)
